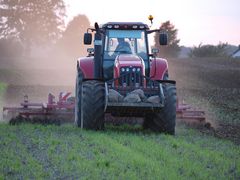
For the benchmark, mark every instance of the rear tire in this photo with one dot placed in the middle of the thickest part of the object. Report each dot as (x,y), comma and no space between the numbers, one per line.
(90,103)
(165,120)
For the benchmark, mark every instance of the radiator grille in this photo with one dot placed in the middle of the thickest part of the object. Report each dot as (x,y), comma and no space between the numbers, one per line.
(131,76)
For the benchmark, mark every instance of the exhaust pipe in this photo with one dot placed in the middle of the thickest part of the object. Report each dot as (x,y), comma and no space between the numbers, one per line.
(98,64)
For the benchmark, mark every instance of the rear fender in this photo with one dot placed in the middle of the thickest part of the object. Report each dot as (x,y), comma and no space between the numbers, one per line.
(158,67)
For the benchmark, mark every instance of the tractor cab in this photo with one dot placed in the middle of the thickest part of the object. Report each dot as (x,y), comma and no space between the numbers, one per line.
(124,41)
(124,46)
(125,38)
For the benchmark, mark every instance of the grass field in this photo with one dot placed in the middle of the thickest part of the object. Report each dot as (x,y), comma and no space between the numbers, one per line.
(66,152)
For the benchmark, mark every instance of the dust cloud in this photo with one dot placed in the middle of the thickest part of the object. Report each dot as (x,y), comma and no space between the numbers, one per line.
(37,77)
(48,68)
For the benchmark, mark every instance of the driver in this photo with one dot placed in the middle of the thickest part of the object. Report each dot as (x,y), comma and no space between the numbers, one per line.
(123,46)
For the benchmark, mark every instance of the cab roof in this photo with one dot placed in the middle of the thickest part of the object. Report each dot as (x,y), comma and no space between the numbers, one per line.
(125,25)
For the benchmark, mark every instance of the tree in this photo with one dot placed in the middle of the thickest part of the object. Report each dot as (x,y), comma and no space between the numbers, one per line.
(72,39)
(209,50)
(172,49)
(32,22)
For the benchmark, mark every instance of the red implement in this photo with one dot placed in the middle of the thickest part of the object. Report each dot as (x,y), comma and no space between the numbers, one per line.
(187,112)
(65,107)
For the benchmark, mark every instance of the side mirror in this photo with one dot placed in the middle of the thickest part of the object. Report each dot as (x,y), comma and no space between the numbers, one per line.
(90,51)
(87,38)
(155,51)
(163,39)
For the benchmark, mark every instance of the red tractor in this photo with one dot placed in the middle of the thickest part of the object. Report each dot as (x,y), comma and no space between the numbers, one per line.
(121,77)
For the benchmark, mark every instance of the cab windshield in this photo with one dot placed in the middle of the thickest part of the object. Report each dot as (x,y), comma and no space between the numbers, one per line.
(125,42)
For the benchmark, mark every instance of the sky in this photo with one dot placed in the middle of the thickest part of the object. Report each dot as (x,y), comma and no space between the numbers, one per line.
(197,21)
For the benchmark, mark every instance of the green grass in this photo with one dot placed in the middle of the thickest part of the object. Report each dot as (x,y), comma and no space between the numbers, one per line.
(52,152)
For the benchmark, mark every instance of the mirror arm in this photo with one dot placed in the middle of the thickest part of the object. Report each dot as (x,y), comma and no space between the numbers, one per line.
(94,30)
(154,30)
(91,29)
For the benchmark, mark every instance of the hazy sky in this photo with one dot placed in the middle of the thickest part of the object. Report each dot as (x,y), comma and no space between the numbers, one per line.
(198,21)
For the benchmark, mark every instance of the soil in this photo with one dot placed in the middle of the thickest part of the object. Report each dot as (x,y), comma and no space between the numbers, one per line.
(215,83)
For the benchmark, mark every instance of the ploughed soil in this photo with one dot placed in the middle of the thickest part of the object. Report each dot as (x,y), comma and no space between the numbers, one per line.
(210,84)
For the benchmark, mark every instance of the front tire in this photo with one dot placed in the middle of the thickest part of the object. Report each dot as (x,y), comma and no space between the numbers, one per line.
(165,120)
(90,103)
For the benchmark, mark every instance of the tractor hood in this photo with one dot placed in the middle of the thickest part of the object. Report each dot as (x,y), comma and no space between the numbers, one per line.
(129,60)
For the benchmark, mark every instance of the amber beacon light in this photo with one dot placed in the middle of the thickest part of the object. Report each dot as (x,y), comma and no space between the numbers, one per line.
(150,18)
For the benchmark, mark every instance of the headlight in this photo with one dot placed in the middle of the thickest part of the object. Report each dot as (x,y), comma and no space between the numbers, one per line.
(138,69)
(133,69)
(123,69)
(127,69)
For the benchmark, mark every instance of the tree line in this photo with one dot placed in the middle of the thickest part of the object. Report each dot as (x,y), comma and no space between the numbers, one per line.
(173,48)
